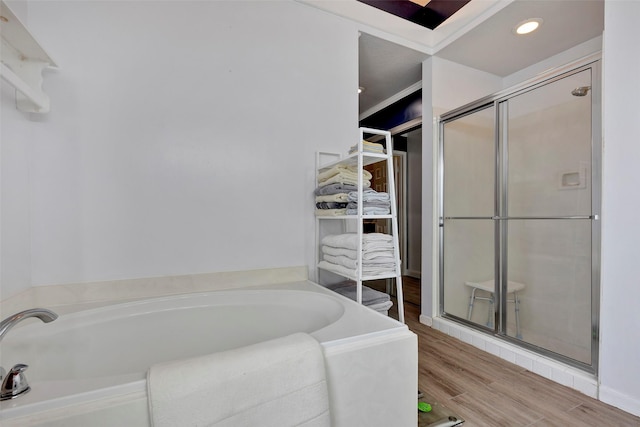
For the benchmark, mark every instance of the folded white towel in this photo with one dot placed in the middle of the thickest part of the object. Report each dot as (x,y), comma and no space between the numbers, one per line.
(331,212)
(369,296)
(371,147)
(346,171)
(370,241)
(323,176)
(370,210)
(341,260)
(342,270)
(275,383)
(379,256)
(377,237)
(368,267)
(369,257)
(381,307)
(354,149)
(338,198)
(351,253)
(377,247)
(369,195)
(342,178)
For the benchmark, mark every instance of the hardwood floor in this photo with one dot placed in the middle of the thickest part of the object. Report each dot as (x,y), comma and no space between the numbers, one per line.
(411,288)
(485,390)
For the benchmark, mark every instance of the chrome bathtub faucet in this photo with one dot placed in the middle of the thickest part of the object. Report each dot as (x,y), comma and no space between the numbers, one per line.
(15,383)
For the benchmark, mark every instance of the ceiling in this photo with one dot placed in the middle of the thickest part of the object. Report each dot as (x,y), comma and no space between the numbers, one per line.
(428,13)
(479,35)
(386,68)
(494,48)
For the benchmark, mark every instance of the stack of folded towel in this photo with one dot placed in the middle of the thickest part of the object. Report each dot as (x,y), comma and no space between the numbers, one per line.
(343,174)
(334,186)
(376,300)
(374,203)
(340,254)
(368,147)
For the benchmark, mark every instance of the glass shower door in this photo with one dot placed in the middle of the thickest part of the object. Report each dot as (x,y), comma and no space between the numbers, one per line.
(519,236)
(468,208)
(547,202)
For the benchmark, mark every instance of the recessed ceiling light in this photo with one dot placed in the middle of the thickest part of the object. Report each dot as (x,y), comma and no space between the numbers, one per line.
(360,89)
(527,26)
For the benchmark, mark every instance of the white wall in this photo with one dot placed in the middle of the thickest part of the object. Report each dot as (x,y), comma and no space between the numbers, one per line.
(181,138)
(620,278)
(448,85)
(455,85)
(15,147)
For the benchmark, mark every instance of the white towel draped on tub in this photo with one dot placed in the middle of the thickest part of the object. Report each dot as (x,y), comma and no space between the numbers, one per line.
(276,383)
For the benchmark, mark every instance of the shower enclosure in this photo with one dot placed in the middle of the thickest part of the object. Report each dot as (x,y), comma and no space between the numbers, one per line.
(519,203)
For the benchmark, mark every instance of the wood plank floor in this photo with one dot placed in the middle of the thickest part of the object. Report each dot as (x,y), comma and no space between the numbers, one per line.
(485,390)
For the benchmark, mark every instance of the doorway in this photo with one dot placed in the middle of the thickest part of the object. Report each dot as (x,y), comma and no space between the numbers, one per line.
(408,146)
(519,229)
(391,99)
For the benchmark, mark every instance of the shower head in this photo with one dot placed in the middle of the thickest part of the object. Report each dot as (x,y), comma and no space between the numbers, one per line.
(580,91)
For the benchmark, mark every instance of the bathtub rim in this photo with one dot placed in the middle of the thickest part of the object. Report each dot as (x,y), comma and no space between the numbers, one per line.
(103,310)
(386,329)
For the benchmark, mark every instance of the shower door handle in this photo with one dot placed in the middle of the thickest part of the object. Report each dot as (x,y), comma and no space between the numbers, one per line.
(595,217)
(467,217)
(507,218)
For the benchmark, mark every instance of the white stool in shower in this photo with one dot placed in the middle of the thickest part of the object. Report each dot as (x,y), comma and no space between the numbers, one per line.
(489,287)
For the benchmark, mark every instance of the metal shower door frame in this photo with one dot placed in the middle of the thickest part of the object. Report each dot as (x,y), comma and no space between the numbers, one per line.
(499,102)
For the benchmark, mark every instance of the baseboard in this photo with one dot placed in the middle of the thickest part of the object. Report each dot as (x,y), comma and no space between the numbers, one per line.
(619,400)
(426,320)
(413,273)
(549,368)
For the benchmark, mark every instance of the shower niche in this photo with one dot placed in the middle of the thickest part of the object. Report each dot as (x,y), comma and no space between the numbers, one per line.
(519,229)
(573,179)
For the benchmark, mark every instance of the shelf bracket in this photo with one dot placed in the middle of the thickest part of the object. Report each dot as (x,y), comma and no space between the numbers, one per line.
(22,61)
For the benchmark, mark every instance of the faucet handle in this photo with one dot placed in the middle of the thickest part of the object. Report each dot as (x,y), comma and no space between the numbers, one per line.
(15,383)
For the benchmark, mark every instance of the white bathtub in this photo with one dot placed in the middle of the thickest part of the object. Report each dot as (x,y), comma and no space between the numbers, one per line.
(91,365)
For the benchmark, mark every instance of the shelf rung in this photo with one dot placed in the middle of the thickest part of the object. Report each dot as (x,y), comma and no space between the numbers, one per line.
(364,278)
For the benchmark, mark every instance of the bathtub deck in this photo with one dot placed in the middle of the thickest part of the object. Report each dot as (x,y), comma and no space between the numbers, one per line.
(370,359)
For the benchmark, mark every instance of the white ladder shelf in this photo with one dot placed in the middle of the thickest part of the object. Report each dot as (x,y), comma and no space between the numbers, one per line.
(361,158)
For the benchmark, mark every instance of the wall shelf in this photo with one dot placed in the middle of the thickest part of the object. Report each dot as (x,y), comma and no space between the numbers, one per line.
(22,61)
